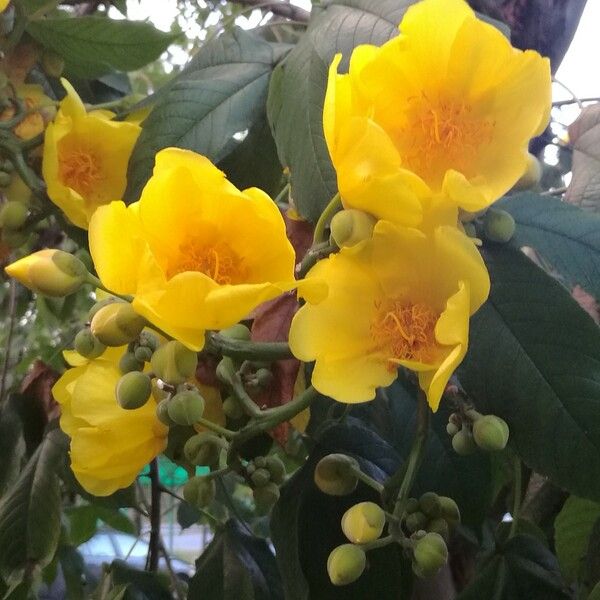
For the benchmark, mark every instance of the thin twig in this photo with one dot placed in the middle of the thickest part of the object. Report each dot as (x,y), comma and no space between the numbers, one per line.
(560,103)
(154,543)
(576,100)
(12,306)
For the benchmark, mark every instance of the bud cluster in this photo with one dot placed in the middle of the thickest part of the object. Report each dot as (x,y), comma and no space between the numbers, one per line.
(472,430)
(266,473)
(431,513)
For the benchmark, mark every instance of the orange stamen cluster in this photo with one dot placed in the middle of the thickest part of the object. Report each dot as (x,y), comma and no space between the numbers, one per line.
(80,169)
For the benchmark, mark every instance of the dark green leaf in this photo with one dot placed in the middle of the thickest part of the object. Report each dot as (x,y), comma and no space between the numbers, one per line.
(221,93)
(12,445)
(84,521)
(566,236)
(187,515)
(534,360)
(592,560)
(521,568)
(236,566)
(94,46)
(297,91)
(141,585)
(30,512)
(73,569)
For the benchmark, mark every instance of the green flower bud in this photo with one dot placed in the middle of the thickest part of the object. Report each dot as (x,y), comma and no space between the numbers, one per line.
(225,370)
(430,505)
(128,362)
(260,461)
(260,477)
(98,305)
(143,354)
(117,324)
(490,433)
(147,339)
(13,214)
(162,411)
(440,526)
(204,449)
(463,443)
(334,474)
(532,175)
(174,363)
(236,332)
(416,521)
(133,390)
(363,522)
(250,468)
(276,468)
(263,378)
(452,429)
(232,408)
(412,505)
(346,564)
(450,510)
(430,554)
(351,226)
(265,496)
(88,345)
(187,407)
(199,491)
(498,225)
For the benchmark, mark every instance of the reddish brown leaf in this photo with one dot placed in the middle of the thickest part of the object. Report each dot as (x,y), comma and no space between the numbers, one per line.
(37,386)
(300,234)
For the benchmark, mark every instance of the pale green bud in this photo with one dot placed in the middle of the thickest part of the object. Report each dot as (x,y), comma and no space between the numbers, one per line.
(260,477)
(334,474)
(133,390)
(128,362)
(174,363)
(450,510)
(232,408)
(351,226)
(430,505)
(187,407)
(430,553)
(463,443)
(88,345)
(276,468)
(490,433)
(346,564)
(117,324)
(13,214)
(162,411)
(440,526)
(363,522)
(236,332)
(498,225)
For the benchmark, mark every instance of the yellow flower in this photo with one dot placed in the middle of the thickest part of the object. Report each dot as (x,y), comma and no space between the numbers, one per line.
(399,299)
(85,158)
(444,110)
(195,252)
(109,445)
(4,5)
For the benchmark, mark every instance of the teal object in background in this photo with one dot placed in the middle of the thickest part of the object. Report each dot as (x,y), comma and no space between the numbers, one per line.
(170,474)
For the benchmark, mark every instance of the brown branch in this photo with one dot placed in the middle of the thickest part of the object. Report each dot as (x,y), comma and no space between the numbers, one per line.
(281,9)
(154,544)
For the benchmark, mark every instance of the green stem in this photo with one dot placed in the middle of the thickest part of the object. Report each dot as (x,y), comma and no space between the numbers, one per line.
(239,391)
(216,428)
(518,491)
(240,349)
(313,256)
(334,205)
(282,193)
(93,280)
(372,483)
(380,543)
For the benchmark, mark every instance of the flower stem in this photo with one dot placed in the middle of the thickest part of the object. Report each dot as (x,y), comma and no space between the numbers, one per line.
(312,256)
(267,351)
(334,205)
(380,543)
(372,483)
(216,428)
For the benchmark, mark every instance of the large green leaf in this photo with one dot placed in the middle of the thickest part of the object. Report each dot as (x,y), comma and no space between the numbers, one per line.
(297,91)
(94,46)
(30,512)
(222,93)
(534,360)
(572,529)
(566,236)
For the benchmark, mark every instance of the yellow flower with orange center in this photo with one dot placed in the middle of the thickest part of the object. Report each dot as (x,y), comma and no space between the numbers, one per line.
(85,158)
(195,252)
(443,112)
(109,445)
(400,298)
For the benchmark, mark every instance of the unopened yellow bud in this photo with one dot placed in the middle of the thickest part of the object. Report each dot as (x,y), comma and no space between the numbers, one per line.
(49,272)
(351,226)
(13,214)
(98,305)
(117,324)
(346,564)
(490,433)
(204,449)
(498,225)
(186,408)
(199,491)
(363,522)
(88,345)
(133,390)
(334,474)
(532,175)
(430,554)
(174,363)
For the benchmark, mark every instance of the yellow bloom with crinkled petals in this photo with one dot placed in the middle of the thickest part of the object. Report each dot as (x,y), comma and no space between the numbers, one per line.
(401,298)
(444,111)
(85,158)
(109,445)
(195,252)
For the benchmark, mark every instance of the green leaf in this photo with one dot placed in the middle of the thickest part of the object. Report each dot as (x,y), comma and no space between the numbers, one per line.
(521,568)
(534,360)
(30,512)
(564,235)
(572,529)
(12,445)
(297,91)
(221,93)
(84,520)
(140,585)
(94,46)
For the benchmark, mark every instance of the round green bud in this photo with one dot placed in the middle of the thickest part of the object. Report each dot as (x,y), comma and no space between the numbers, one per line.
(263,378)
(351,226)
(232,408)
(186,408)
(490,433)
(260,477)
(199,491)
(100,304)
(532,175)
(5,179)
(204,449)
(225,370)
(463,443)
(88,345)
(162,412)
(440,526)
(260,461)
(430,553)
(236,332)
(452,429)
(128,362)
(117,324)
(133,390)
(412,505)
(13,214)
(147,339)
(276,468)
(416,521)
(265,496)
(334,474)
(174,363)
(450,510)
(143,354)
(346,564)
(429,503)
(498,225)
(363,522)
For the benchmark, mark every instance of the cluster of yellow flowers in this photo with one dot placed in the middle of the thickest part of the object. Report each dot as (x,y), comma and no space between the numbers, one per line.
(435,121)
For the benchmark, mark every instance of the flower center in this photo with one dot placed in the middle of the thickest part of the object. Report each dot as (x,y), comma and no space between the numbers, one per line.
(80,170)
(217,261)
(443,135)
(405,331)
